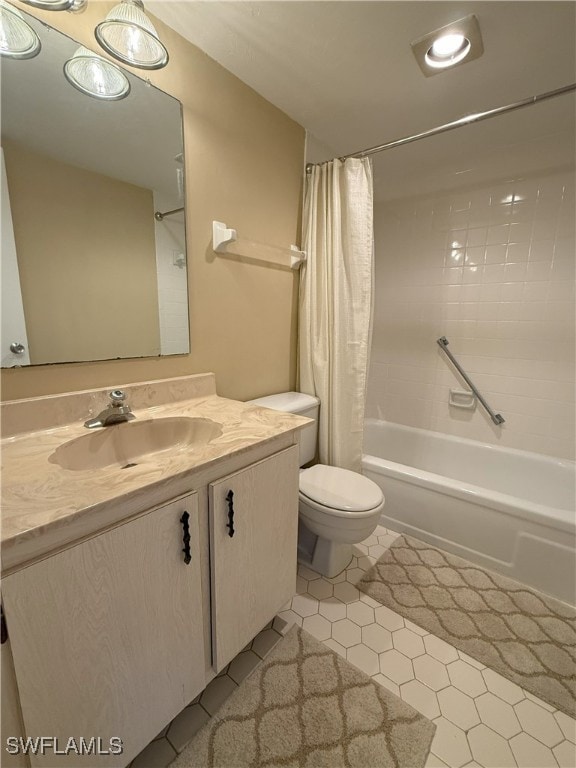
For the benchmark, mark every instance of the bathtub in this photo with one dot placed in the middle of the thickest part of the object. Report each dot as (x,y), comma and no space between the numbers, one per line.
(510,511)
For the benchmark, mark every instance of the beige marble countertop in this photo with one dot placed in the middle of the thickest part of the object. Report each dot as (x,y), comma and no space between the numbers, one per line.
(39,497)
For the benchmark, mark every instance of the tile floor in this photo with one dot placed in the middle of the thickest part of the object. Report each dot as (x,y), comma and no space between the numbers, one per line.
(482,718)
(172,740)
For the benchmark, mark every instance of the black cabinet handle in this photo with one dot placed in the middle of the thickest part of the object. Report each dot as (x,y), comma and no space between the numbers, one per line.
(3,627)
(230,523)
(186,537)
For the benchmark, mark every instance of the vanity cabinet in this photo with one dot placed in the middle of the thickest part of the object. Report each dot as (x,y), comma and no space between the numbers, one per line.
(111,636)
(11,720)
(107,636)
(253,544)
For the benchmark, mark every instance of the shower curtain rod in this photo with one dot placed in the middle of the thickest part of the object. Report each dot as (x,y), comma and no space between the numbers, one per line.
(159,216)
(466,120)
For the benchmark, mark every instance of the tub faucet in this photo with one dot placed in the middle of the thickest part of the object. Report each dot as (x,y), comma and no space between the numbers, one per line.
(117,412)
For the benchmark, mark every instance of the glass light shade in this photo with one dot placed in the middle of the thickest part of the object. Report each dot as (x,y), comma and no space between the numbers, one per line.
(51,5)
(74,6)
(129,35)
(96,76)
(17,38)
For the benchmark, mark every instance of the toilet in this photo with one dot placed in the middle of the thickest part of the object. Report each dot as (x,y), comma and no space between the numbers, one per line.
(337,508)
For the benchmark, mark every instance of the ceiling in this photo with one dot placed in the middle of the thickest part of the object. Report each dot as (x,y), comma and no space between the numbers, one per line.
(345,71)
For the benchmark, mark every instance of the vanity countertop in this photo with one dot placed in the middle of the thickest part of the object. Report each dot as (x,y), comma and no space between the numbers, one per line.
(41,499)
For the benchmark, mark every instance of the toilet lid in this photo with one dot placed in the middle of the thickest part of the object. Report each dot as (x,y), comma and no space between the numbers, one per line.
(339,488)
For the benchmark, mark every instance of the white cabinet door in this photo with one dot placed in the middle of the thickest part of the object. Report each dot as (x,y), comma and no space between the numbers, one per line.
(253,570)
(107,636)
(11,720)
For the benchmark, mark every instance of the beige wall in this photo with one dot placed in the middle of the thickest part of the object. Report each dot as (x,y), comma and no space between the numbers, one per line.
(86,256)
(244,162)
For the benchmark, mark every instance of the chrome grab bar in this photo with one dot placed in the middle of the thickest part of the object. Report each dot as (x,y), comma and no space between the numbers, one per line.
(443,343)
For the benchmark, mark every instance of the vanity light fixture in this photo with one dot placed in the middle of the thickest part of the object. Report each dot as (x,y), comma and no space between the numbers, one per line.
(17,38)
(74,6)
(96,76)
(448,46)
(129,35)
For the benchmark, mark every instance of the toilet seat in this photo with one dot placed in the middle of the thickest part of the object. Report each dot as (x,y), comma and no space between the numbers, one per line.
(342,492)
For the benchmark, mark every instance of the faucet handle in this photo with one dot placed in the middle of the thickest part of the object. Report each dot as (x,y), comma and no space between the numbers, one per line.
(118,397)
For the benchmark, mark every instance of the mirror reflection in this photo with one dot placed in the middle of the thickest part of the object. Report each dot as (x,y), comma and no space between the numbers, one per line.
(88,271)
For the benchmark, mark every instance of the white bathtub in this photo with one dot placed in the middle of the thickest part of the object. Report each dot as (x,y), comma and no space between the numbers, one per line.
(510,511)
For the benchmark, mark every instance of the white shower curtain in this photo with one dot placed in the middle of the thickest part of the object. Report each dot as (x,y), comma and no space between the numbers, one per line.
(336,288)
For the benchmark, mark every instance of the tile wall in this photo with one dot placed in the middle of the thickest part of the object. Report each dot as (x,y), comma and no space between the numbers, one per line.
(173,303)
(172,277)
(491,268)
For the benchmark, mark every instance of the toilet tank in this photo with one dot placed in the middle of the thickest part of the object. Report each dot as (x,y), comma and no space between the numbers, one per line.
(302,405)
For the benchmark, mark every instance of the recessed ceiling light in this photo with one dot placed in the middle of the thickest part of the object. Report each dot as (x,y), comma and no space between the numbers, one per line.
(447,45)
(447,51)
(453,44)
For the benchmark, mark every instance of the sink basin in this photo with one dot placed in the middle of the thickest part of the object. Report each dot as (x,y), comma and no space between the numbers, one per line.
(127,444)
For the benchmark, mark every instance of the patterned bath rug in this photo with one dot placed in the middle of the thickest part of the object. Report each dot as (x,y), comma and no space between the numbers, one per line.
(306,707)
(526,636)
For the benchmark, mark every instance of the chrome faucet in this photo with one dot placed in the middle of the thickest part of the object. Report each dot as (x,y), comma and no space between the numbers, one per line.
(117,412)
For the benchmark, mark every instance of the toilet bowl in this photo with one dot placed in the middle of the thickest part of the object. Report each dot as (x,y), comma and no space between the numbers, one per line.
(342,508)
(337,507)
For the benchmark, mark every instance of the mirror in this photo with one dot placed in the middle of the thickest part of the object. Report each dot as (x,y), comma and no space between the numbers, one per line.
(88,272)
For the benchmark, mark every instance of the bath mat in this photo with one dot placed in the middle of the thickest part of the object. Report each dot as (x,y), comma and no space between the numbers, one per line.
(526,636)
(306,707)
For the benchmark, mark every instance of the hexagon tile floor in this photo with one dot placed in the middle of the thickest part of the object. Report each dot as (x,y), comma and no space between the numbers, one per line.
(482,718)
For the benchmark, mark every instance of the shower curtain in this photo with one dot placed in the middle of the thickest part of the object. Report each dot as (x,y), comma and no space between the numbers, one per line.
(336,292)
